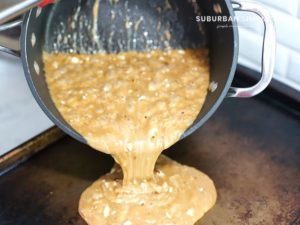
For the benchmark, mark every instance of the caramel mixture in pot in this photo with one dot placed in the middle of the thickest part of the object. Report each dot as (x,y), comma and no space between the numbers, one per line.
(133,105)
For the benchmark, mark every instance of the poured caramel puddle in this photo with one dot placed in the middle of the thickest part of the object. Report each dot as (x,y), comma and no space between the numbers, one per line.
(133,105)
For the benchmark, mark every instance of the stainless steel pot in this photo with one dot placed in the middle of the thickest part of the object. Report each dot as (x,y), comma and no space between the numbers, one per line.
(39,26)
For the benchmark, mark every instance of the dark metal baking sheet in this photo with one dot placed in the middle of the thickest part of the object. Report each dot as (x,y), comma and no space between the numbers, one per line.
(250,148)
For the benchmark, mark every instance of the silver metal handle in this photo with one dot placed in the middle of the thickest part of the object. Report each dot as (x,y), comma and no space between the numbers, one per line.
(268,50)
(7,27)
(16,8)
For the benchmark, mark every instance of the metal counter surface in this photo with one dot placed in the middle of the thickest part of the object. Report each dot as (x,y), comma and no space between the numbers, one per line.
(250,148)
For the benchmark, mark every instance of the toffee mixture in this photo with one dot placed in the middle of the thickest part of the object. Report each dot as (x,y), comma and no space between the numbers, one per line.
(133,105)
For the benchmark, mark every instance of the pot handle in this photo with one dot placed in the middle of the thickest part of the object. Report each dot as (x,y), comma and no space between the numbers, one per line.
(18,8)
(8,26)
(268,50)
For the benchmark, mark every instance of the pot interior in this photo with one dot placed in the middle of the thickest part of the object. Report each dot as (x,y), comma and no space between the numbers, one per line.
(71,27)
